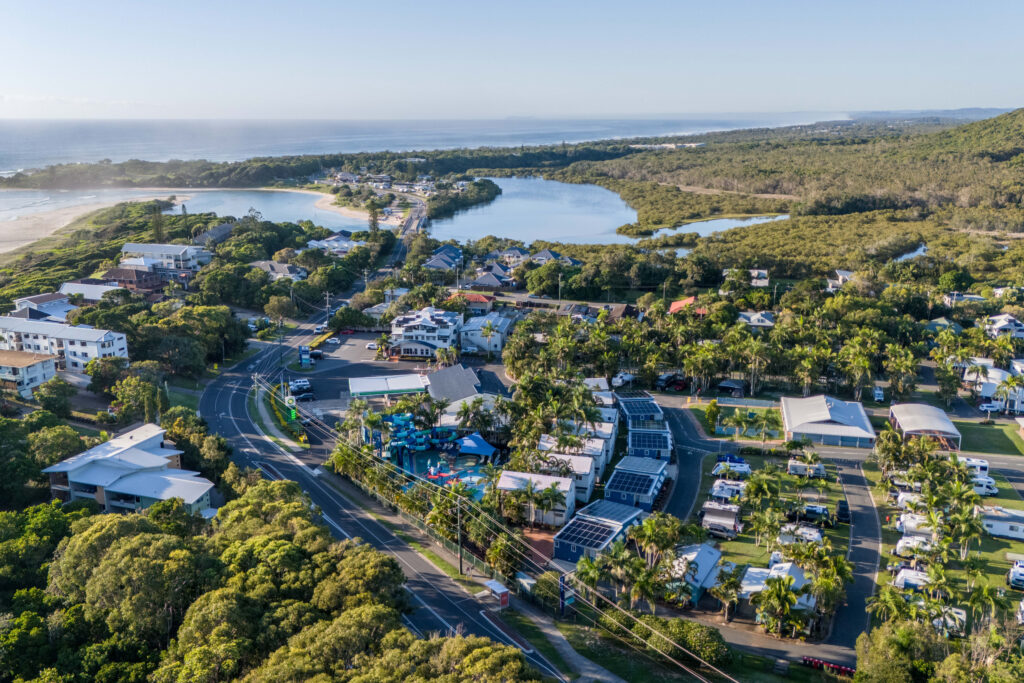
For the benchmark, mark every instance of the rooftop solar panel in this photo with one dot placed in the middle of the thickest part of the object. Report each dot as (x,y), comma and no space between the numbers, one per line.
(586,532)
(630,482)
(640,409)
(648,440)
(626,395)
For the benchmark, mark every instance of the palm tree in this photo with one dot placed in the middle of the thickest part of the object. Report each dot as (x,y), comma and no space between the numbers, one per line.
(648,585)
(618,559)
(590,572)
(383,346)
(939,586)
(974,568)
(530,497)
(1007,389)
(985,601)
(739,421)
(656,535)
(888,604)
(727,590)
(768,420)
(550,498)
(775,602)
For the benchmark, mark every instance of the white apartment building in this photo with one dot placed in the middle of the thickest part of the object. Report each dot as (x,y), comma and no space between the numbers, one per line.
(421,333)
(54,305)
(168,256)
(73,346)
(130,472)
(22,372)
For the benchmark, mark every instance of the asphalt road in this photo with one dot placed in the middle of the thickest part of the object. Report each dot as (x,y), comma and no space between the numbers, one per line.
(441,606)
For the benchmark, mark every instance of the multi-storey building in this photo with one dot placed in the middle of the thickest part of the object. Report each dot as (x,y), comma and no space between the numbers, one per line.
(73,346)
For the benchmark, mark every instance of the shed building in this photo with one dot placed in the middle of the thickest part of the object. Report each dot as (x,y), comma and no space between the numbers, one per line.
(920,419)
(827,420)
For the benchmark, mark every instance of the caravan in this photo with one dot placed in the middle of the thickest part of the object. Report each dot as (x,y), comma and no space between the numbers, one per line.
(977,466)
(721,519)
(802,469)
(985,486)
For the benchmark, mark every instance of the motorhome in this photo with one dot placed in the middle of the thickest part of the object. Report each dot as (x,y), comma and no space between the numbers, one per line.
(977,466)
(1003,522)
(912,524)
(912,546)
(802,469)
(985,486)
(800,533)
(906,500)
(721,519)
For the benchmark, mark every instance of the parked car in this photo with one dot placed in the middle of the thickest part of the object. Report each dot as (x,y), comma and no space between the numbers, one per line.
(815,514)
(989,407)
(298,385)
(622,378)
(843,512)
(305,396)
(319,329)
(665,379)
(1015,577)
(347,332)
(372,346)
(334,341)
(316,354)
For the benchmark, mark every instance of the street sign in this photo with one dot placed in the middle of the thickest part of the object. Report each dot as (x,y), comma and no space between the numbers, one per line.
(289,401)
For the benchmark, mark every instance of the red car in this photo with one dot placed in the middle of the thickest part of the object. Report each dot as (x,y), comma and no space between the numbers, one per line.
(347,332)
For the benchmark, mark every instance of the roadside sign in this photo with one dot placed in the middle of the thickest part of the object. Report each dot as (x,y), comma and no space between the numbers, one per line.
(289,401)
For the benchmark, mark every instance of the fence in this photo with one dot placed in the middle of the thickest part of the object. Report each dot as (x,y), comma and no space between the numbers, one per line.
(746,402)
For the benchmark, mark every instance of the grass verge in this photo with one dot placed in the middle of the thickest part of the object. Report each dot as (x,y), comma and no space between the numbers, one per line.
(1000,438)
(533,635)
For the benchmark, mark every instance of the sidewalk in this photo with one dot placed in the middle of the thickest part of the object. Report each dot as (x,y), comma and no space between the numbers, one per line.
(267,420)
(588,670)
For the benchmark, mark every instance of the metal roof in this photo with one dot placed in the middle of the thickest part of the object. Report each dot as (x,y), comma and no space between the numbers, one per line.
(920,418)
(611,511)
(826,415)
(632,463)
(588,533)
(516,481)
(388,384)
(631,482)
(649,440)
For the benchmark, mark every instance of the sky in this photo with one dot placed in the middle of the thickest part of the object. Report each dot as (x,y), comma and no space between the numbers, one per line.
(323,59)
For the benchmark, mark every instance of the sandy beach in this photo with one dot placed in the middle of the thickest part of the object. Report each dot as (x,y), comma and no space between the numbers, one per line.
(326,203)
(25,230)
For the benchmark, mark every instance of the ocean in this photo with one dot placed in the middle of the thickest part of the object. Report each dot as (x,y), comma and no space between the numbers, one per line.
(34,144)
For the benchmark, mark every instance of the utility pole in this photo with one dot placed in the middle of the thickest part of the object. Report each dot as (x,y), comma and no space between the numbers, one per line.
(559,290)
(328,311)
(664,290)
(458,517)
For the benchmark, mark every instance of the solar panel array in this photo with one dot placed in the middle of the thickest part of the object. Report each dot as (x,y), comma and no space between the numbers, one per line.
(648,440)
(627,395)
(586,532)
(630,482)
(640,408)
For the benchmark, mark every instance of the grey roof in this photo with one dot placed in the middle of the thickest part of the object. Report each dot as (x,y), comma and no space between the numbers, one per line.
(215,235)
(163,485)
(610,511)
(826,415)
(440,262)
(487,280)
(500,323)
(632,463)
(922,418)
(453,383)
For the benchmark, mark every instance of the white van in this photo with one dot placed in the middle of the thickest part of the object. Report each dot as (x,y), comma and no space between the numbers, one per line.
(297,385)
(985,486)
(977,466)
(319,329)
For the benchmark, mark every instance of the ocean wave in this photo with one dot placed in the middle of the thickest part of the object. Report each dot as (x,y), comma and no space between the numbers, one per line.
(88,196)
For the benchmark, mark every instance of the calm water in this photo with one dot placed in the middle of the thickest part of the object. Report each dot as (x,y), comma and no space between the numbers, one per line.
(15,203)
(33,144)
(275,206)
(531,209)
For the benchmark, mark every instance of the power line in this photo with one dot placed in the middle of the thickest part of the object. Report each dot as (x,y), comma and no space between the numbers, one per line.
(525,556)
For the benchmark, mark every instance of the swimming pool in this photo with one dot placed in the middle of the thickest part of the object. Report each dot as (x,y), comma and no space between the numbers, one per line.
(467,468)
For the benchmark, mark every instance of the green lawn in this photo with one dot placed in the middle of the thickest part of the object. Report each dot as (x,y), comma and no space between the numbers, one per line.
(616,656)
(700,411)
(85,431)
(1000,438)
(533,635)
(992,550)
(742,549)
(183,398)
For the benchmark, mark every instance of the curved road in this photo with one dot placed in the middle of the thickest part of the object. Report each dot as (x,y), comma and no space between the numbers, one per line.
(441,605)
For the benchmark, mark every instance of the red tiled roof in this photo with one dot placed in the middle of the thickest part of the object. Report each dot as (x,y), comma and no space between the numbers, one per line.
(473,297)
(683,304)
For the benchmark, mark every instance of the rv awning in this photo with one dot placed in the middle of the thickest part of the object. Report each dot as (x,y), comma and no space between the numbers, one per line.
(474,444)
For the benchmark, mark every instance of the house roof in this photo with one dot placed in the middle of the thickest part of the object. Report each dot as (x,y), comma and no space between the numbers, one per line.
(163,485)
(387,384)
(22,359)
(921,418)
(58,330)
(632,463)
(596,383)
(592,447)
(33,314)
(611,511)
(500,323)
(635,483)
(825,415)
(701,562)
(516,481)
(89,291)
(473,297)
(453,383)
(581,464)
(487,280)
(139,248)
(682,304)
(127,274)
(42,298)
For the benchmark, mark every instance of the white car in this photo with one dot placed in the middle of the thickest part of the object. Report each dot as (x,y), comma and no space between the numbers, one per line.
(622,378)
(334,341)
(989,407)
(319,329)
(372,346)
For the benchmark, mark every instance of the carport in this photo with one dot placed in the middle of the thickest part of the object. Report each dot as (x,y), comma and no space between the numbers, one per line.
(921,419)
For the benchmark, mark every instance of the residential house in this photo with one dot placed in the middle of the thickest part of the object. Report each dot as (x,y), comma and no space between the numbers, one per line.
(487,332)
(339,244)
(73,346)
(377,311)
(583,472)
(1004,325)
(169,257)
(559,514)
(835,284)
(758,277)
(440,262)
(636,481)
(698,567)
(1010,292)
(515,256)
(488,282)
(650,444)
(130,472)
(91,291)
(953,298)
(214,235)
(393,294)
(280,271)
(939,324)
(421,333)
(136,279)
(549,255)
(593,529)
(755,579)
(758,320)
(54,306)
(680,305)
(599,450)
(476,303)
(453,383)
(22,371)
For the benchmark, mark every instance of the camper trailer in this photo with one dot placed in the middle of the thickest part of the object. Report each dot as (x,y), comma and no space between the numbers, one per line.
(906,500)
(1003,522)
(977,466)
(724,490)
(911,524)
(721,519)
(800,533)
(912,546)
(802,469)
